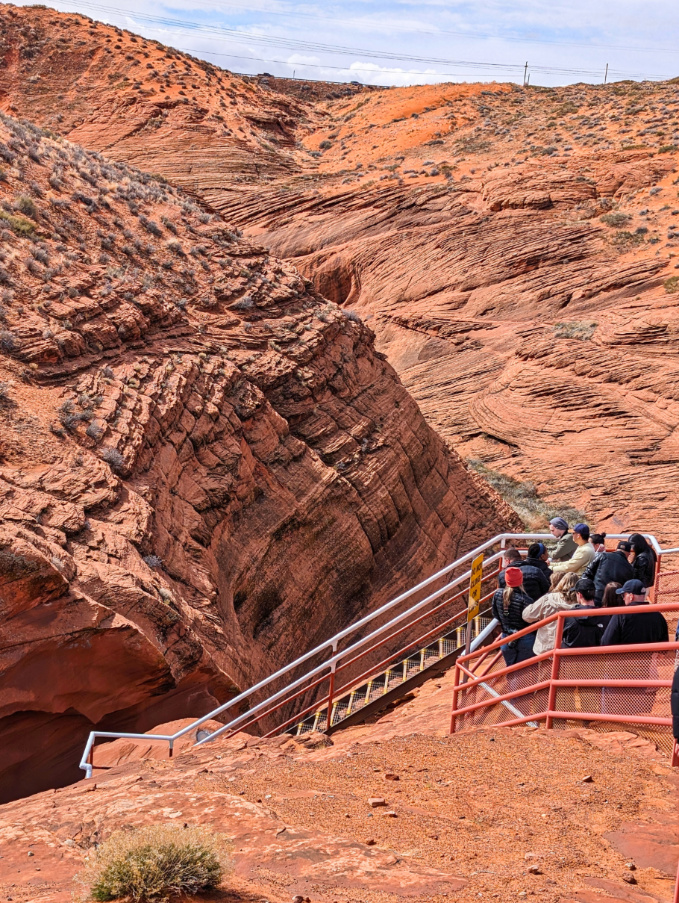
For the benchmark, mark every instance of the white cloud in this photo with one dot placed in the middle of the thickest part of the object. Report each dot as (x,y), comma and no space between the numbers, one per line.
(563,42)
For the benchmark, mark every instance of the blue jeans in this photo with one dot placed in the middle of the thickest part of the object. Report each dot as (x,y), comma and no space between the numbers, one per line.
(520,650)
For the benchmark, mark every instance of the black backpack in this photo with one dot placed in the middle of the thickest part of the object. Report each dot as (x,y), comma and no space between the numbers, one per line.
(581,633)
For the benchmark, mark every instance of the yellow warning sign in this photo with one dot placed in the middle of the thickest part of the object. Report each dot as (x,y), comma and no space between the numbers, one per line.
(475,587)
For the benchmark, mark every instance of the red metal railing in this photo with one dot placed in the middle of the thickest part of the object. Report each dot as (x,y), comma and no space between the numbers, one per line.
(312,680)
(491,696)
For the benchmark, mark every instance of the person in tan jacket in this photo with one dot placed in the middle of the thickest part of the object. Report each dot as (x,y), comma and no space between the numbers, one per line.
(558,599)
(584,553)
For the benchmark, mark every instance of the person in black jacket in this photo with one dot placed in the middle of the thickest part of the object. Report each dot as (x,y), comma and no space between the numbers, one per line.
(535,581)
(632,629)
(537,557)
(674,704)
(507,606)
(641,627)
(644,560)
(609,567)
(580,633)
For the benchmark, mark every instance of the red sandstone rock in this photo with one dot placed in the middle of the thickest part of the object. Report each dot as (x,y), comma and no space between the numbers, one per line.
(206,468)
(463,224)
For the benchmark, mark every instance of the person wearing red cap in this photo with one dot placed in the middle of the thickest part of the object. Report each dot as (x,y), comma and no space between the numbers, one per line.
(508,605)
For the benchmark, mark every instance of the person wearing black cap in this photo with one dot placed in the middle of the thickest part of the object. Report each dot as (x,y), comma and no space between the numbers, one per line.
(642,627)
(565,548)
(579,633)
(583,555)
(609,567)
(622,630)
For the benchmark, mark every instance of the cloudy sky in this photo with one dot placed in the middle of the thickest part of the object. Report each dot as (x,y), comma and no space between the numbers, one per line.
(403,42)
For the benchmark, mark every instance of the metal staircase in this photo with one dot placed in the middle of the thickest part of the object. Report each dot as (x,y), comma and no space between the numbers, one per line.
(322,689)
(373,695)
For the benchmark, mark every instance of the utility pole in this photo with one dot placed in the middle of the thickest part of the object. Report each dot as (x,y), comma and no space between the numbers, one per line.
(606,74)
(525,70)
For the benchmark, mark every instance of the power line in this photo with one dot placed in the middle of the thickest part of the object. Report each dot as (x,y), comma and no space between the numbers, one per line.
(407,27)
(354,68)
(182,25)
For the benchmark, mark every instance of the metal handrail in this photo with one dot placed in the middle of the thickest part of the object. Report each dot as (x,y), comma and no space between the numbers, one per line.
(332,644)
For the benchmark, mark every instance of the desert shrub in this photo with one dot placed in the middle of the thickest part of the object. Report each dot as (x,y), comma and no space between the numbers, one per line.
(534,511)
(671,285)
(153,863)
(628,239)
(577,329)
(150,226)
(8,341)
(6,154)
(153,561)
(40,254)
(113,458)
(614,219)
(668,148)
(18,224)
(325,145)
(95,431)
(26,205)
(4,391)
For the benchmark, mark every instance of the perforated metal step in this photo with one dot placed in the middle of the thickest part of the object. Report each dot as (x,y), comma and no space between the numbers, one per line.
(398,674)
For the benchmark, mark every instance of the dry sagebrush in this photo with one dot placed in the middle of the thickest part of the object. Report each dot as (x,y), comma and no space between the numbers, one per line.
(154,863)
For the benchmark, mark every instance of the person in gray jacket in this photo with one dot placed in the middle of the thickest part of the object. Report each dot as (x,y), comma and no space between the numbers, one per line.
(565,546)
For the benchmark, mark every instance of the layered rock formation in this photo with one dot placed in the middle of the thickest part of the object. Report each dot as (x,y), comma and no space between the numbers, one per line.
(205,467)
(514,249)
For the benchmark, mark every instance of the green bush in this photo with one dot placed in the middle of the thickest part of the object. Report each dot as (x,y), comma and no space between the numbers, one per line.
(154,863)
(671,285)
(18,224)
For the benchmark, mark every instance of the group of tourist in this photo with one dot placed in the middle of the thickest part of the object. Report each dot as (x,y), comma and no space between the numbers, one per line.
(576,573)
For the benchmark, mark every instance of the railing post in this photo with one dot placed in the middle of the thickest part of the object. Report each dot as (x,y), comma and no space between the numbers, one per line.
(657,580)
(556,661)
(455,692)
(331,689)
(170,752)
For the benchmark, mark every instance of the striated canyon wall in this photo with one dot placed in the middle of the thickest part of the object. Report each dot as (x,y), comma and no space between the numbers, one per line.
(514,250)
(205,467)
